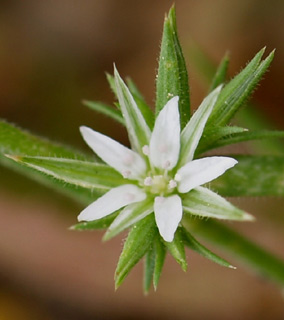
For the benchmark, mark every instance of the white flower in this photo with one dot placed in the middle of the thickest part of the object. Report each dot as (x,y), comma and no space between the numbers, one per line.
(157,174)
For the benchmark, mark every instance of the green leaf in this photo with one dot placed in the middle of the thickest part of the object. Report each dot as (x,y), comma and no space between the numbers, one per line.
(149,265)
(221,73)
(96,224)
(212,135)
(246,136)
(111,82)
(192,133)
(138,130)
(106,110)
(14,140)
(19,142)
(238,90)
(138,242)
(128,216)
(243,250)
(252,176)
(193,244)
(205,203)
(90,175)
(176,249)
(172,78)
(160,255)
(141,103)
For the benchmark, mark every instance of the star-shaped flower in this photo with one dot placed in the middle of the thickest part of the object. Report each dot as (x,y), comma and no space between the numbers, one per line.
(160,171)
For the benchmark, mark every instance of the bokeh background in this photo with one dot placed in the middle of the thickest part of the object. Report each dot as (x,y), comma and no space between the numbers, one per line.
(53,54)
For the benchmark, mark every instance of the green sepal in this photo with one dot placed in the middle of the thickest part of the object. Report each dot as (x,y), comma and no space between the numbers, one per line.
(191,134)
(221,73)
(244,250)
(172,78)
(137,128)
(252,176)
(176,249)
(128,216)
(105,110)
(205,203)
(193,244)
(89,175)
(111,82)
(238,90)
(96,224)
(138,242)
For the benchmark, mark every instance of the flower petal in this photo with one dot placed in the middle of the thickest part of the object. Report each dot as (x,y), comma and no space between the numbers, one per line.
(129,163)
(168,213)
(111,201)
(165,139)
(200,171)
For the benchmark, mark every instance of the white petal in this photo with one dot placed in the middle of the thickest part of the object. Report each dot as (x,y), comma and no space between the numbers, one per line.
(111,201)
(129,163)
(168,213)
(200,171)
(165,139)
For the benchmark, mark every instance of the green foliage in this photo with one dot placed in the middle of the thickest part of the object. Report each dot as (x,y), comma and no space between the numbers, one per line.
(172,79)
(220,74)
(252,176)
(138,242)
(243,250)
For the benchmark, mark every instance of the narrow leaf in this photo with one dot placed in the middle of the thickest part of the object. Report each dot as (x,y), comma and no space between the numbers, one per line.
(85,174)
(176,249)
(149,265)
(96,224)
(138,242)
(160,255)
(252,176)
(205,203)
(213,134)
(238,90)
(141,103)
(111,82)
(193,244)
(138,130)
(105,110)
(172,79)
(221,73)
(14,140)
(246,136)
(242,249)
(192,133)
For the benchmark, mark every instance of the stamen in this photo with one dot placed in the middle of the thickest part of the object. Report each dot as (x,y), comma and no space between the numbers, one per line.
(178,177)
(148,181)
(172,184)
(146,150)
(126,174)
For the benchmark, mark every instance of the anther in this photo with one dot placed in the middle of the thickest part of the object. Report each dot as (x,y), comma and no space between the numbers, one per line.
(172,184)
(148,181)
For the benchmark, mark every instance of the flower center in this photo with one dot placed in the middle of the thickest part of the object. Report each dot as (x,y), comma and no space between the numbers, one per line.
(159,184)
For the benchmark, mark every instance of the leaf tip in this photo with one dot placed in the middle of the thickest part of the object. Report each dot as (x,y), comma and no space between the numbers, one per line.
(13,157)
(248,217)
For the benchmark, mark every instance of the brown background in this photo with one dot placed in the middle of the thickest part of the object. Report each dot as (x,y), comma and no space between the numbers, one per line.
(53,54)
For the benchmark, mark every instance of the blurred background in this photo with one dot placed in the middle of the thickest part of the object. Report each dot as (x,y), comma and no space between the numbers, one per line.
(53,54)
